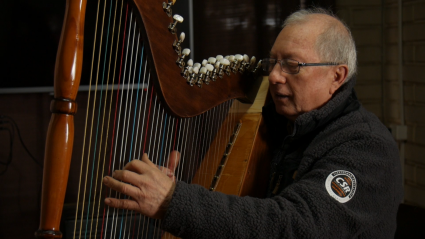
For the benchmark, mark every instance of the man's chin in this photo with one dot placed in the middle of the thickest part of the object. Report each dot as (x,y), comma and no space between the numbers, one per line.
(290,115)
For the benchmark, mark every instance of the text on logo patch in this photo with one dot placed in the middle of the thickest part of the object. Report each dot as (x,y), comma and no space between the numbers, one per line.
(341,185)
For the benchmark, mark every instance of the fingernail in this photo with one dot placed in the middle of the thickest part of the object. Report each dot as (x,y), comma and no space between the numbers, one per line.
(108,201)
(105,179)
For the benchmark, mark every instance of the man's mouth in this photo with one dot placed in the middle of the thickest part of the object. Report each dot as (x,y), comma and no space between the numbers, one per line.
(281,96)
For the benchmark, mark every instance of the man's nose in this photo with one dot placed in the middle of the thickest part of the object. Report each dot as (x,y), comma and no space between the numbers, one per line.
(277,76)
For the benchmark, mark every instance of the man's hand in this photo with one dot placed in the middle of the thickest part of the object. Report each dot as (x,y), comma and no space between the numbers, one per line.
(149,187)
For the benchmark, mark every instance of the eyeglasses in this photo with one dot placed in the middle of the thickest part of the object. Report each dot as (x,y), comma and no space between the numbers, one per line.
(289,66)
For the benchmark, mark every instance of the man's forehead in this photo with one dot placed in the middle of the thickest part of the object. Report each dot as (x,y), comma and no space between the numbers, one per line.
(300,37)
(293,40)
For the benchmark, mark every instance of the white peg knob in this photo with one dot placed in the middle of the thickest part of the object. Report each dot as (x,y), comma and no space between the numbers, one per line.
(239,57)
(209,67)
(204,62)
(186,51)
(253,60)
(178,18)
(212,60)
(172,26)
(190,62)
(203,70)
(225,62)
(219,57)
(182,36)
(245,58)
(195,70)
(197,65)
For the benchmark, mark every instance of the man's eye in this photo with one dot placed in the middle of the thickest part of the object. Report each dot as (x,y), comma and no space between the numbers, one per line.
(291,63)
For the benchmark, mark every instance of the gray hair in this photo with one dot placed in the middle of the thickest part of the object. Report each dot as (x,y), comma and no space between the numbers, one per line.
(333,45)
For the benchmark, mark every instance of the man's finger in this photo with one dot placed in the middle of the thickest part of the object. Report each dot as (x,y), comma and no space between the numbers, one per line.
(173,160)
(122,203)
(146,160)
(121,187)
(136,166)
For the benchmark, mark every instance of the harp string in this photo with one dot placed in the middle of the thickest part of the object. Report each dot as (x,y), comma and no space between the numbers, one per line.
(168,149)
(140,108)
(91,132)
(138,121)
(97,132)
(86,120)
(128,109)
(220,110)
(206,143)
(118,108)
(192,159)
(112,163)
(91,128)
(110,106)
(102,126)
(134,121)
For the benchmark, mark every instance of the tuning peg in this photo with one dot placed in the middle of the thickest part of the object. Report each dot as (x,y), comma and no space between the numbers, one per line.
(251,63)
(201,76)
(258,68)
(231,59)
(244,64)
(246,58)
(172,26)
(210,69)
(224,66)
(189,73)
(213,62)
(167,7)
(194,76)
(237,62)
(186,71)
(176,44)
(215,71)
(180,61)
(204,62)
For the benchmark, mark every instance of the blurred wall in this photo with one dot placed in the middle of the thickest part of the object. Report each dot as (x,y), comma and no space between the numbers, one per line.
(374,24)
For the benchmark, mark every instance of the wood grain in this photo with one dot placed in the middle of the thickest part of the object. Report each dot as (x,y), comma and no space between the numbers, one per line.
(60,134)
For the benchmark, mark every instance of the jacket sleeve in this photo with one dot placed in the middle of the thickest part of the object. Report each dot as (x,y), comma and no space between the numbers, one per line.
(305,209)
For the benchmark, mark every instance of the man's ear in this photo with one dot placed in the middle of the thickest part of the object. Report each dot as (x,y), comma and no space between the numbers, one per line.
(338,79)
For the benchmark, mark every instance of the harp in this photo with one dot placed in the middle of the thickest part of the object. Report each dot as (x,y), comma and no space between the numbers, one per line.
(169,110)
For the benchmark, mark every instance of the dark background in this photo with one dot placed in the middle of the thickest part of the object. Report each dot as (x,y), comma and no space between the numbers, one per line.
(29,40)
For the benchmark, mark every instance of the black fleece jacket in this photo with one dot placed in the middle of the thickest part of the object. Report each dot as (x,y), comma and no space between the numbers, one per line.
(347,182)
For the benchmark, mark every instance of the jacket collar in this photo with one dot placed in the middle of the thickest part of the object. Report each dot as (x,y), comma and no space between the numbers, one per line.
(343,102)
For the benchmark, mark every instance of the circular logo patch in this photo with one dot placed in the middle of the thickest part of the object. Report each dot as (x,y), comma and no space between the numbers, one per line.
(341,185)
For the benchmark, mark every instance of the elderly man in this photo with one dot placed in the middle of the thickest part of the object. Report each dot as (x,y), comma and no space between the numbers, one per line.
(335,173)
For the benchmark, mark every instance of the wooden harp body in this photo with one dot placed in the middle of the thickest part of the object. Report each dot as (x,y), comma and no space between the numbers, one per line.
(157,76)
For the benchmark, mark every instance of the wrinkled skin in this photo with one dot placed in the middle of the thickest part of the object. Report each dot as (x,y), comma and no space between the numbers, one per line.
(150,187)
